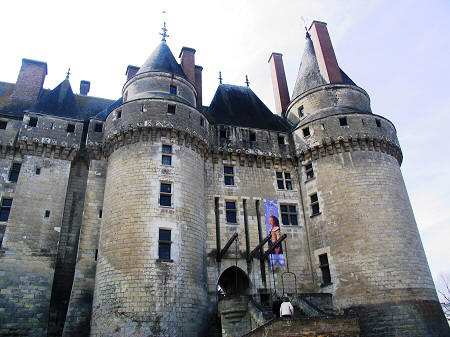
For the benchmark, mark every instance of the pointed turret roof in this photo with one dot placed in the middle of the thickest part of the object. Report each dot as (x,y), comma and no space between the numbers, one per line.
(59,102)
(309,74)
(162,60)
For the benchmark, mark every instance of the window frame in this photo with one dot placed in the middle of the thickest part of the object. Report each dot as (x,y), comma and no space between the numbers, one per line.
(343,121)
(231,211)
(289,213)
(15,171)
(325,270)
(284,180)
(309,171)
(166,155)
(306,132)
(165,243)
(171,109)
(165,194)
(6,208)
(228,175)
(173,90)
(314,204)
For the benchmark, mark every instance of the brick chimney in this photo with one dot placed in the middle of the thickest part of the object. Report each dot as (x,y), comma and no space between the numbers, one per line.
(198,85)
(280,88)
(187,56)
(131,71)
(84,87)
(30,80)
(323,48)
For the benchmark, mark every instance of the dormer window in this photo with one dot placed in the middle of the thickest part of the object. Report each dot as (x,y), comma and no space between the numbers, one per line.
(173,90)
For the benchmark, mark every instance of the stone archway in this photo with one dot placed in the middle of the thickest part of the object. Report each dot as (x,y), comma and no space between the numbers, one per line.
(233,281)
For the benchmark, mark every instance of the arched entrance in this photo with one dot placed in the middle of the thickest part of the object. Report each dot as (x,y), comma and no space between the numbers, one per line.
(233,281)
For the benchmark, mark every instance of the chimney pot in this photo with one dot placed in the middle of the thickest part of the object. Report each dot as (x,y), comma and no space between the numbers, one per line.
(280,88)
(198,85)
(85,86)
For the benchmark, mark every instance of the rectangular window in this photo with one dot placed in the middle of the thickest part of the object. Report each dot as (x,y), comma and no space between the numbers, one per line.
(173,90)
(228,175)
(166,155)
(38,171)
(284,180)
(306,132)
(33,122)
(378,123)
(202,122)
(165,240)
(301,112)
(165,196)
(14,172)
(281,140)
(98,127)
(3,125)
(100,213)
(118,114)
(71,128)
(230,207)
(171,109)
(96,255)
(288,215)
(343,121)
(325,268)
(47,214)
(5,209)
(252,136)
(309,171)
(315,209)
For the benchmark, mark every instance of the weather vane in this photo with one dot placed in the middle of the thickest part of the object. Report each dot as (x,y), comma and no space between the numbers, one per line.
(220,77)
(164,29)
(306,26)
(246,81)
(68,74)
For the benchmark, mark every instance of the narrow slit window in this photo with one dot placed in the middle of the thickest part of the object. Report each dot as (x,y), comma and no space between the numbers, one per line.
(325,269)
(289,215)
(306,132)
(3,125)
(378,123)
(301,112)
(166,155)
(171,109)
(173,90)
(96,255)
(118,114)
(33,122)
(100,213)
(230,207)
(47,214)
(202,122)
(5,209)
(315,208)
(70,128)
(165,197)
(98,127)
(14,172)
(343,121)
(309,171)
(228,175)
(164,243)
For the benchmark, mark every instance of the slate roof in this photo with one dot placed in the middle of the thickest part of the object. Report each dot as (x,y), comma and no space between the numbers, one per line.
(105,112)
(162,60)
(309,74)
(239,106)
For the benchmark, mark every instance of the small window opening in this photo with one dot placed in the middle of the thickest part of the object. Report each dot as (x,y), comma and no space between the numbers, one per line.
(14,172)
(171,109)
(173,90)
(143,108)
(166,155)
(230,207)
(5,209)
(98,127)
(301,112)
(252,136)
(165,196)
(322,126)
(309,171)
(96,255)
(47,214)
(306,132)
(100,213)
(281,140)
(3,125)
(289,215)
(164,242)
(71,128)
(325,269)
(362,120)
(118,114)
(38,171)
(343,121)
(33,122)
(202,122)
(228,174)
(315,208)
(378,122)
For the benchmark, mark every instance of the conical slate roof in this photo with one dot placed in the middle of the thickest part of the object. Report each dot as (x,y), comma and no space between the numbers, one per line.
(59,102)
(239,106)
(162,60)
(309,74)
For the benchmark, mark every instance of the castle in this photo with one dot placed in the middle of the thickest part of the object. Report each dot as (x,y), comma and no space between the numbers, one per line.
(154,215)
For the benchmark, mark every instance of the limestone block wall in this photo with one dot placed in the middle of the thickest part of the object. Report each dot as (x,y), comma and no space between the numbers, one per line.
(135,291)
(27,259)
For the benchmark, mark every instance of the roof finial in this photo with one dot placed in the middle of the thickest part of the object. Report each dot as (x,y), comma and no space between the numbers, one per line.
(306,27)
(68,74)
(247,82)
(220,77)
(164,29)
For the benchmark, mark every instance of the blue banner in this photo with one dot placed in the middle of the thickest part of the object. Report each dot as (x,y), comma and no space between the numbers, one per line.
(273,227)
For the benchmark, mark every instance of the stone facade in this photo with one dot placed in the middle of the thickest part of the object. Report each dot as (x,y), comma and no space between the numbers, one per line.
(124,222)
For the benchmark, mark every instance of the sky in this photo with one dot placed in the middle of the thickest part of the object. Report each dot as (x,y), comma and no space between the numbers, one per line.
(398,51)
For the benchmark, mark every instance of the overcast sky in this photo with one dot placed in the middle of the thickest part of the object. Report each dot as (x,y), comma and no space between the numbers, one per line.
(398,51)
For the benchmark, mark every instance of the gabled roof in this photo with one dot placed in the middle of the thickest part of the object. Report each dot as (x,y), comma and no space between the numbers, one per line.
(239,106)
(162,60)
(59,102)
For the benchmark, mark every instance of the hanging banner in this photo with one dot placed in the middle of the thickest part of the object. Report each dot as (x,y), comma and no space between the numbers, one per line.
(273,227)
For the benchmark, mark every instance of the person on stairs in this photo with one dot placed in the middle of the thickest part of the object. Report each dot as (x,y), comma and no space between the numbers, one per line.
(286,308)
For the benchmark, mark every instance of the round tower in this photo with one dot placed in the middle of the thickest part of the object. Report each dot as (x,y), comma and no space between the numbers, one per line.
(151,268)
(365,245)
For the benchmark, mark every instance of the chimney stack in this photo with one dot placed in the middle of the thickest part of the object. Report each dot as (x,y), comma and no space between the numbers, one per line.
(323,48)
(198,85)
(30,80)
(187,56)
(84,87)
(280,88)
(131,71)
